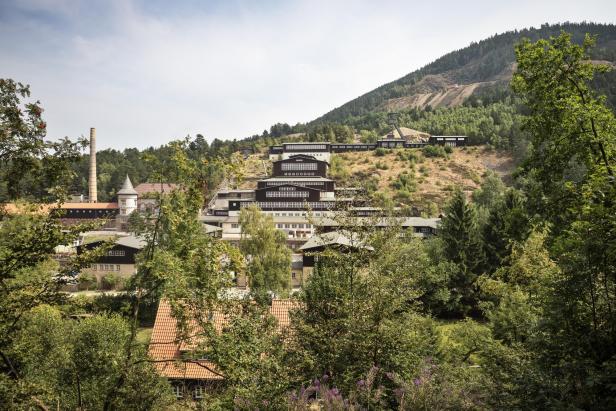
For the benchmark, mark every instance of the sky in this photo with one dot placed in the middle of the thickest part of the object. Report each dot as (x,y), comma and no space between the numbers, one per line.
(147,72)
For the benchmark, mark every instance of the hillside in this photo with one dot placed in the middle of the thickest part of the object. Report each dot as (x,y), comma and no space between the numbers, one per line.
(406,177)
(485,67)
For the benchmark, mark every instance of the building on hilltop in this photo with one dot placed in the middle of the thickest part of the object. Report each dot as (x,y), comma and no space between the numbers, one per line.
(323,150)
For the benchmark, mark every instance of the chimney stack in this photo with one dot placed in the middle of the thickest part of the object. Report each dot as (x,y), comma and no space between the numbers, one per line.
(92,181)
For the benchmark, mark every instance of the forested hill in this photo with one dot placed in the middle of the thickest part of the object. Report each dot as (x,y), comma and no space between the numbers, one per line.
(481,69)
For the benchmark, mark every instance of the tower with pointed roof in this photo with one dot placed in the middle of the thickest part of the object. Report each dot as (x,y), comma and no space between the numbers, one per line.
(127,198)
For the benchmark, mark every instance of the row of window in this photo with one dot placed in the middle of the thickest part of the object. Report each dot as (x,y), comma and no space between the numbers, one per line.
(105,267)
(299,166)
(305,147)
(293,225)
(290,204)
(198,391)
(297,183)
(287,194)
(300,174)
(116,253)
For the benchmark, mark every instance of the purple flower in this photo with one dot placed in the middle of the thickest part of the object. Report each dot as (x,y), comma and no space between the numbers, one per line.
(361,383)
(293,396)
(325,377)
(417,382)
(399,392)
(334,391)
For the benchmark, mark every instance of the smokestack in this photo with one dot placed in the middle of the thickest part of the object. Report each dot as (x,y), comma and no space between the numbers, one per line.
(92,181)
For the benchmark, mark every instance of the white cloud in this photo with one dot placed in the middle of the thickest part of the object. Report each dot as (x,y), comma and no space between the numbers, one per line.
(143,78)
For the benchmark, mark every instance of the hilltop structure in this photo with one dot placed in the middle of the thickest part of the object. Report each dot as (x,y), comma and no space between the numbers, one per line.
(323,150)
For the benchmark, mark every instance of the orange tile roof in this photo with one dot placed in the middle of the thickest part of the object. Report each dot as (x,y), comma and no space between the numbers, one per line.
(90,206)
(166,348)
(13,208)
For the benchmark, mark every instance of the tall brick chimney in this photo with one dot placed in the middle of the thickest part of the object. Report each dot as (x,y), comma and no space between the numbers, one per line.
(92,180)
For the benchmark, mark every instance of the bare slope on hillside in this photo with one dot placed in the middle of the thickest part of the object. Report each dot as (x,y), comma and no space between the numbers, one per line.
(434,178)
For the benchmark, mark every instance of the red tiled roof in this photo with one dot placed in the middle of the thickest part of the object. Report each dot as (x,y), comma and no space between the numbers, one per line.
(91,206)
(166,350)
(146,188)
(12,208)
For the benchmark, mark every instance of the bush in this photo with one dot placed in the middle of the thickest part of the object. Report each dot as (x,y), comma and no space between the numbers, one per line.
(87,281)
(434,151)
(380,152)
(405,182)
(381,166)
(111,282)
(448,149)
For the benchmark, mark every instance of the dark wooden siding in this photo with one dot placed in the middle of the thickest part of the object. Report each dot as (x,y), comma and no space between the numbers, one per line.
(300,166)
(287,192)
(118,254)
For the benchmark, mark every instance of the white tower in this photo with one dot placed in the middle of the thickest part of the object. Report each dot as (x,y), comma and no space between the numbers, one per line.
(127,198)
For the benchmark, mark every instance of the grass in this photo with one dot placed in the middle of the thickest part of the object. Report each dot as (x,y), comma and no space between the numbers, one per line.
(143,335)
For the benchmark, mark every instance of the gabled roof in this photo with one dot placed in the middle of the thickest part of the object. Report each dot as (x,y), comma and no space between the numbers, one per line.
(127,187)
(335,238)
(166,348)
(132,242)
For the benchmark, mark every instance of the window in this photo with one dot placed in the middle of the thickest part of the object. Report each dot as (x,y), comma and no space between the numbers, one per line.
(305,147)
(235,225)
(287,194)
(293,275)
(117,267)
(299,166)
(116,253)
(198,391)
(177,391)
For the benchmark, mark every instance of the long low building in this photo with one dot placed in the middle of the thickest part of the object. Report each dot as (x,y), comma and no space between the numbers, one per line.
(322,150)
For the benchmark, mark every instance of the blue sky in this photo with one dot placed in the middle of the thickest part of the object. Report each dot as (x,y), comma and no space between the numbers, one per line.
(146,72)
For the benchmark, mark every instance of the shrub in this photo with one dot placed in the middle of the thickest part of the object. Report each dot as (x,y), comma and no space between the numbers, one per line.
(448,149)
(405,182)
(434,151)
(381,166)
(111,282)
(87,281)
(380,152)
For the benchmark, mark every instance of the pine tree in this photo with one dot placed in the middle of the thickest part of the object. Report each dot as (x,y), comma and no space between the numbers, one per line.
(462,246)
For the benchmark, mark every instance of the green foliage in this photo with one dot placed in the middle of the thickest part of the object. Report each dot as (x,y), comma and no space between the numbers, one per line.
(73,364)
(380,152)
(86,281)
(337,169)
(434,151)
(250,355)
(268,256)
(462,246)
(355,306)
(111,281)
